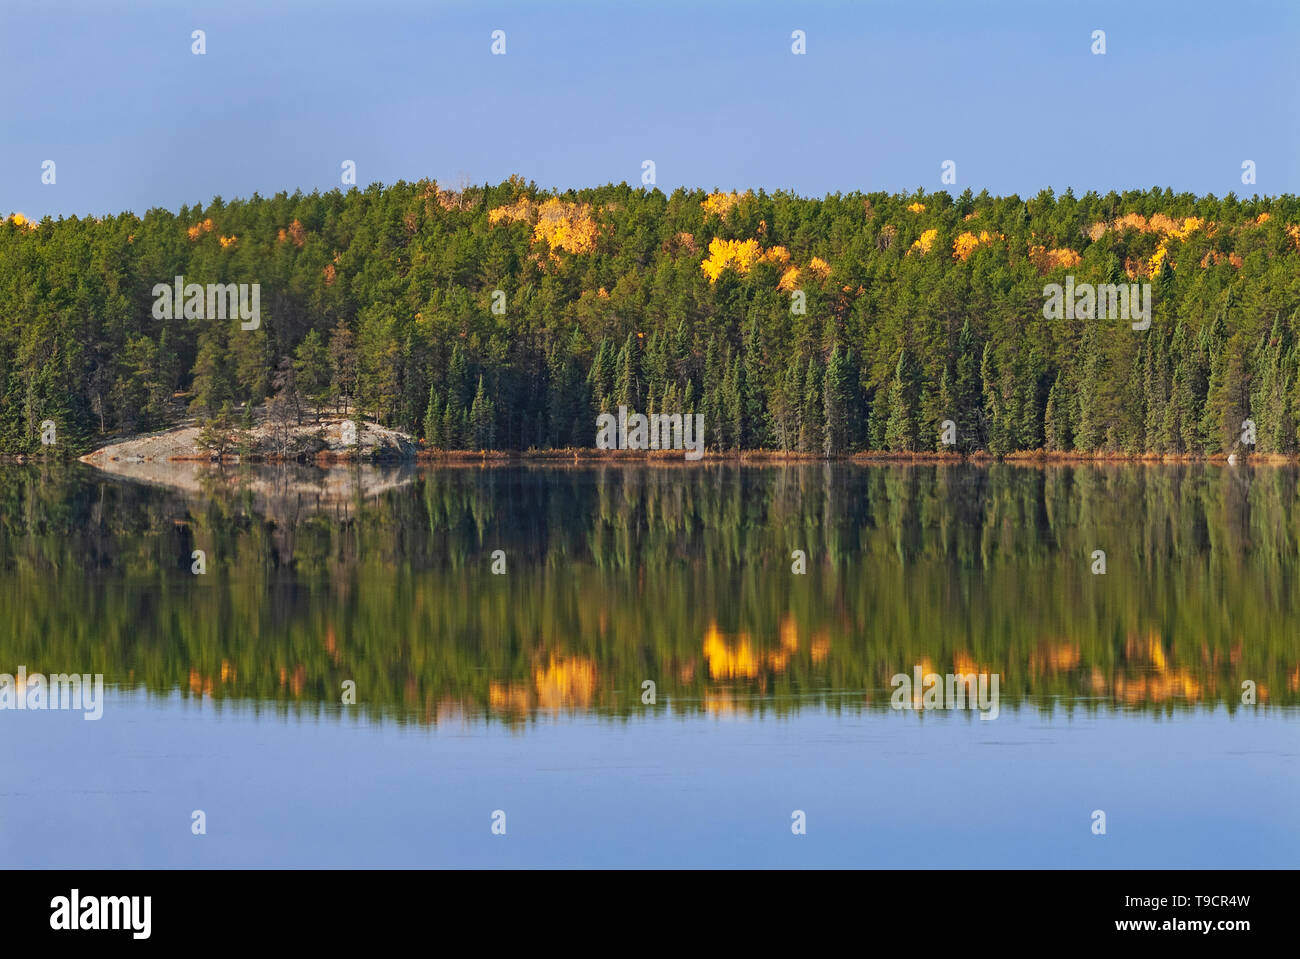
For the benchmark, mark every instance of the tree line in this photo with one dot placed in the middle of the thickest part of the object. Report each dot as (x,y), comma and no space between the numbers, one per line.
(508,317)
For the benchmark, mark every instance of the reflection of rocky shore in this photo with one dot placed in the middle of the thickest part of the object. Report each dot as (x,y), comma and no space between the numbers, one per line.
(280,491)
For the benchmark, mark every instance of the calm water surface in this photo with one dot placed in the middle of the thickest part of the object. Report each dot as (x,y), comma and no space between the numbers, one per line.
(523,692)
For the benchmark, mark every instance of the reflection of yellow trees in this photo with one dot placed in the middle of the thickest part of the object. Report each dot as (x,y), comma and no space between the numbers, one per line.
(720,703)
(1054,658)
(295,680)
(1160,681)
(509,698)
(741,661)
(726,662)
(566,683)
(202,685)
(199,685)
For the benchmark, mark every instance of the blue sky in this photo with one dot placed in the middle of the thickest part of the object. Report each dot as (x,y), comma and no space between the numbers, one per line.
(709,90)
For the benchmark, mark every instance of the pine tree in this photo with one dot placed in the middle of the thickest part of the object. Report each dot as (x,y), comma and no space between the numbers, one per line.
(733,408)
(600,379)
(999,436)
(1156,387)
(812,433)
(214,381)
(482,419)
(901,426)
(968,395)
(312,370)
(433,420)
(458,378)
(1058,424)
(1271,401)
(627,376)
(839,390)
(343,366)
(943,408)
(751,397)
(452,437)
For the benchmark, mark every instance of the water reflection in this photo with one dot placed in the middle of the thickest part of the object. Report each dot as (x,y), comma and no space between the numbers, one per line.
(619,576)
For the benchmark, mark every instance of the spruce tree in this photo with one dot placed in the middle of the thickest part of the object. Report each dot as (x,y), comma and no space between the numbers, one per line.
(811,430)
(433,420)
(901,426)
(482,419)
(999,436)
(943,408)
(839,390)
(968,395)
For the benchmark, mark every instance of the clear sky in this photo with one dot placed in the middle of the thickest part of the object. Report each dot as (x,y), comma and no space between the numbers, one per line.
(709,90)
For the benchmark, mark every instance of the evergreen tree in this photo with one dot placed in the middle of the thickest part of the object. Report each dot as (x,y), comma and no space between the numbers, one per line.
(214,380)
(312,370)
(839,391)
(482,419)
(943,408)
(812,434)
(433,420)
(1058,425)
(999,432)
(452,435)
(901,432)
(627,376)
(968,394)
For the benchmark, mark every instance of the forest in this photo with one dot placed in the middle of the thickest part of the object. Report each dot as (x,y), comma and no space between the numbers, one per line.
(507,317)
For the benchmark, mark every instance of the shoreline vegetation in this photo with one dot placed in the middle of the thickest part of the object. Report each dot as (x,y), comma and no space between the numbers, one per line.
(379,445)
(508,318)
(120,454)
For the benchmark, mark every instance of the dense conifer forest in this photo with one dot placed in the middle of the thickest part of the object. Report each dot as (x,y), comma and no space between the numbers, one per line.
(507,317)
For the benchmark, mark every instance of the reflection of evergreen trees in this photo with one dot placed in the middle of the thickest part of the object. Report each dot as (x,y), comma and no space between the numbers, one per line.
(616,575)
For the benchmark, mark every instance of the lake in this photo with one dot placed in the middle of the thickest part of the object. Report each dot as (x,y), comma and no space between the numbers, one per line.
(676,665)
